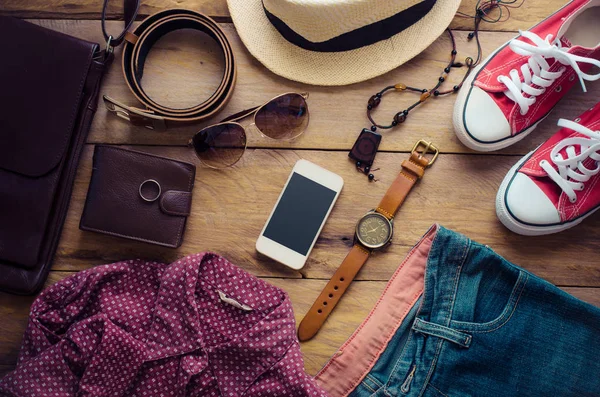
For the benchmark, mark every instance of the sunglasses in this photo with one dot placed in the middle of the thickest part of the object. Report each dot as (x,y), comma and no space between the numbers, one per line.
(222,145)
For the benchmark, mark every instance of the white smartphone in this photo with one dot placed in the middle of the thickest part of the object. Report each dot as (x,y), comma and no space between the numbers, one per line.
(299,215)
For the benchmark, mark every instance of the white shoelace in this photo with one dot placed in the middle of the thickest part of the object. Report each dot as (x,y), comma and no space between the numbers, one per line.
(572,174)
(536,71)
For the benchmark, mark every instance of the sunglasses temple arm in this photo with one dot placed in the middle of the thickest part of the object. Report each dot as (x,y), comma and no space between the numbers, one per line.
(240,115)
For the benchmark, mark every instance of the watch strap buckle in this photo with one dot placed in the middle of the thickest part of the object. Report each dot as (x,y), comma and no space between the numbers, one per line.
(427,148)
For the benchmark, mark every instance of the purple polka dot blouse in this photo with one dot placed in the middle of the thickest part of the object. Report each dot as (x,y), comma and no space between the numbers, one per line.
(197,327)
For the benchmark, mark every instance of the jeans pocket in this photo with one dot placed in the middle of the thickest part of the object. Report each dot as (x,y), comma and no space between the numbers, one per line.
(503,317)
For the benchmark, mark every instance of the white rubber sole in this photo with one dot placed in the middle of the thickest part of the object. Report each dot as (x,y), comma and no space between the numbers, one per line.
(458,121)
(521,228)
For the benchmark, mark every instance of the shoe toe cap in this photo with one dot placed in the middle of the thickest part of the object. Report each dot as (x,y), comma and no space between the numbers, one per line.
(483,119)
(528,203)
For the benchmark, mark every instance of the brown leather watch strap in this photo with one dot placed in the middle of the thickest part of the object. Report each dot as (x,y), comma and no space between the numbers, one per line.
(332,292)
(412,170)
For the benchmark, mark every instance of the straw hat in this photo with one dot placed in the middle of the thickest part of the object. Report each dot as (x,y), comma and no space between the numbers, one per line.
(338,42)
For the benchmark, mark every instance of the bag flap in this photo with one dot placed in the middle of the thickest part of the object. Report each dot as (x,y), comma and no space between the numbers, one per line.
(41,85)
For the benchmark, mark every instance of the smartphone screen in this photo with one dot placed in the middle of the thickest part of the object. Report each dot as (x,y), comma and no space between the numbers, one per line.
(299,214)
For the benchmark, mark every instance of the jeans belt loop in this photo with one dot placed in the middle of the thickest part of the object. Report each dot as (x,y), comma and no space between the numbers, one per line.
(424,327)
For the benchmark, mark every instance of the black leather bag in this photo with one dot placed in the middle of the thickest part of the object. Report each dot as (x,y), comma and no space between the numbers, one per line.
(49,85)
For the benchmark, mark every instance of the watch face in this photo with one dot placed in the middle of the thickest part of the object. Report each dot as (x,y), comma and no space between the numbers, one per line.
(374,230)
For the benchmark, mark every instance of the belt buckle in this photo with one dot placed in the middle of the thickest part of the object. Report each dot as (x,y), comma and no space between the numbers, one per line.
(428,148)
(133,115)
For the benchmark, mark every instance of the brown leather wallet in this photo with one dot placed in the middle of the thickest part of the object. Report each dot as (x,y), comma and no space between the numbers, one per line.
(379,221)
(138,196)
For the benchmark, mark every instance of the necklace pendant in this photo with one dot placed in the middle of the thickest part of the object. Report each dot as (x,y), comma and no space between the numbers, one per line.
(365,147)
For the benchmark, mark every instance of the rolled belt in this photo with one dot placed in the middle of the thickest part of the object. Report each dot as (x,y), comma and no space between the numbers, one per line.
(138,45)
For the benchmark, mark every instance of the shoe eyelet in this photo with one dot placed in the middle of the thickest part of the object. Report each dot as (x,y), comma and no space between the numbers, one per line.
(572,77)
(543,162)
(573,200)
(558,89)
(577,120)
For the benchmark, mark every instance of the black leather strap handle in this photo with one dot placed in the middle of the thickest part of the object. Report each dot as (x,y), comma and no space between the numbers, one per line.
(130,10)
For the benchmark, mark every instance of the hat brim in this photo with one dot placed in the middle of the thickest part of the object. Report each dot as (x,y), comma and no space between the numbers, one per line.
(280,56)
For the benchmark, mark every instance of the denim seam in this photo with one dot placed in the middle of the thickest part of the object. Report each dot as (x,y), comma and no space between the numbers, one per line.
(465,253)
(370,378)
(438,390)
(397,365)
(456,279)
(508,312)
(366,386)
(431,368)
(374,380)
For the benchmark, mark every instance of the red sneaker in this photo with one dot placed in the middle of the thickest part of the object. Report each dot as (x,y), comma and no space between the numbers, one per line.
(516,87)
(556,186)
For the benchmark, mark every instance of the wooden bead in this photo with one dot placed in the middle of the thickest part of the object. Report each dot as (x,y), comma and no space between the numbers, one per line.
(425,96)
(400,118)
(400,87)
(374,101)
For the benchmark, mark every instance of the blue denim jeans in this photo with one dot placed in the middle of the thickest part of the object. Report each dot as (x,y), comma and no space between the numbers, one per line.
(469,323)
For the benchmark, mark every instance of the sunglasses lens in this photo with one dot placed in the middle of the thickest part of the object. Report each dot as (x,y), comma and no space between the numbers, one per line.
(221,145)
(285,117)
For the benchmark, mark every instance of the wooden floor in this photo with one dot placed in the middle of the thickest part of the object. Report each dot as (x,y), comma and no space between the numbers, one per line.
(231,206)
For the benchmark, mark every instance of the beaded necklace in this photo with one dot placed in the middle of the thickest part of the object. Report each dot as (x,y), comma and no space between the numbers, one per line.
(365,148)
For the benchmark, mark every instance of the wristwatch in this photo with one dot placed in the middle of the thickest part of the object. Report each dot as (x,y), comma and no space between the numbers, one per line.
(373,232)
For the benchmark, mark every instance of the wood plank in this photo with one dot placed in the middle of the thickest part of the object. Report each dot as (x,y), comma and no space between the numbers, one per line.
(589,295)
(528,15)
(90,9)
(337,113)
(523,18)
(230,208)
(352,310)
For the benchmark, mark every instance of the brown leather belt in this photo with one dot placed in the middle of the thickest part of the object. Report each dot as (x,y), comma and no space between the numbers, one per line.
(138,45)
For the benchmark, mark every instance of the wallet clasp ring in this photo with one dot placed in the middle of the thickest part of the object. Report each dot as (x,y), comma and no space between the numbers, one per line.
(150,199)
